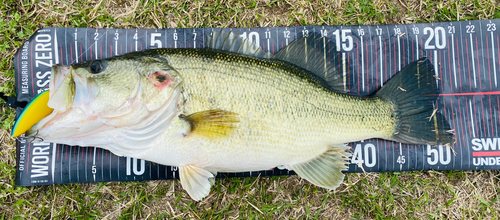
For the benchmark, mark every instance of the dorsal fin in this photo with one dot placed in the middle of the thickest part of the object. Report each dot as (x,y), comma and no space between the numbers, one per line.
(318,55)
(228,41)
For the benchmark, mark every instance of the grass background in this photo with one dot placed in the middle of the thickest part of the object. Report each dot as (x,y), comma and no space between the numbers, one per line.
(431,194)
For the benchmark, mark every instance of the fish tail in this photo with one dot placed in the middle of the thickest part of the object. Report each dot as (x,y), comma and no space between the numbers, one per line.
(413,92)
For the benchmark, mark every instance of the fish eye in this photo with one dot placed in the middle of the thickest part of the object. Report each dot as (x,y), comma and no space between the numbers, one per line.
(96,67)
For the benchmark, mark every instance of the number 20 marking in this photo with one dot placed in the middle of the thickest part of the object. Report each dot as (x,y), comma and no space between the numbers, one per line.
(438,34)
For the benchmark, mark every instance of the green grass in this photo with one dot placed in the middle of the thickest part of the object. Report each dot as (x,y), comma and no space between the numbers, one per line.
(416,195)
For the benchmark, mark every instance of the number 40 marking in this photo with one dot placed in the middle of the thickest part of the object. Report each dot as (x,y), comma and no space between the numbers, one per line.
(367,156)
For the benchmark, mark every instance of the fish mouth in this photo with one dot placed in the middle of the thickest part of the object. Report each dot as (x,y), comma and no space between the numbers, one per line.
(68,94)
(58,74)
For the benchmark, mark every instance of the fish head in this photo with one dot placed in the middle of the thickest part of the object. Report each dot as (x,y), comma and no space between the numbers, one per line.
(98,99)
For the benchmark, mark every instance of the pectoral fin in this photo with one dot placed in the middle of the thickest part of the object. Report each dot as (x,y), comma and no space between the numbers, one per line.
(326,169)
(213,124)
(196,181)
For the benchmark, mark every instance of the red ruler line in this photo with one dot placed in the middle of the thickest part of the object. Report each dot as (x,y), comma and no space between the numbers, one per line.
(478,68)
(471,93)
(491,116)
(483,154)
(458,65)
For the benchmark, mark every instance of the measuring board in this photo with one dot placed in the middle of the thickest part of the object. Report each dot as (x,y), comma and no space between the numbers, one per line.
(465,55)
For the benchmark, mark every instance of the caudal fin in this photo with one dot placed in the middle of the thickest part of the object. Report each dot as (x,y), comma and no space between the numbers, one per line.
(413,92)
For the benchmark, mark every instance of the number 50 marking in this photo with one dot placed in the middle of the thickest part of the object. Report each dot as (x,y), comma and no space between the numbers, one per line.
(436,155)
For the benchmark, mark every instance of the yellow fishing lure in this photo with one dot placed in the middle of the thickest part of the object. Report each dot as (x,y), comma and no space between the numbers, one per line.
(35,111)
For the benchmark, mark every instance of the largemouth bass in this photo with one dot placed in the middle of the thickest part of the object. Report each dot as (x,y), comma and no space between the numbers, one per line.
(230,107)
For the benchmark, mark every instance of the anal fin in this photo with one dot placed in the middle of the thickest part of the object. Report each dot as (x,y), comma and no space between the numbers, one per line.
(213,124)
(196,181)
(326,169)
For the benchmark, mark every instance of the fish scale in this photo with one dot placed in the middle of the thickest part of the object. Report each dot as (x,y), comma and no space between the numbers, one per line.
(318,117)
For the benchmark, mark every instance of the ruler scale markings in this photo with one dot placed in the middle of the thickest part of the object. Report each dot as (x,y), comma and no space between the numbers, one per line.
(468,64)
(416,41)
(488,55)
(406,49)
(93,163)
(436,67)
(454,127)
(86,159)
(118,170)
(491,117)
(66,45)
(385,66)
(95,45)
(76,45)
(286,39)
(472,119)
(461,124)
(77,165)
(110,162)
(399,50)
(473,63)
(482,52)
(484,121)
(116,47)
(408,153)
(449,62)
(461,55)
(362,65)
(106,46)
(381,72)
(135,40)
(126,42)
(55,47)
(497,114)
(370,73)
(376,68)
(102,163)
(357,62)
(453,54)
(477,121)
(401,154)
(367,66)
(53,168)
(451,146)
(441,79)
(498,47)
(493,54)
(479,67)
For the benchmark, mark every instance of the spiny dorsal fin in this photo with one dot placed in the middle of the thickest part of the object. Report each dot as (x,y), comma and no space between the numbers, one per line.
(213,124)
(228,41)
(318,55)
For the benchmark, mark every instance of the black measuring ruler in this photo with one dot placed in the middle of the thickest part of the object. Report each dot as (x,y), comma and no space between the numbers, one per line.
(465,55)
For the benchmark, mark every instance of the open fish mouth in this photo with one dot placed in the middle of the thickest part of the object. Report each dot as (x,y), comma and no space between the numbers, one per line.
(63,87)
(59,73)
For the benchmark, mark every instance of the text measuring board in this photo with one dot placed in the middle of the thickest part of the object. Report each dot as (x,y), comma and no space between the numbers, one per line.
(465,56)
